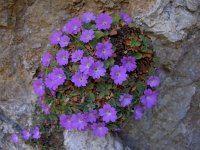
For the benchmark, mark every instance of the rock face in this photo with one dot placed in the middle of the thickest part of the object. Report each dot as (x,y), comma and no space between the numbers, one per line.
(25,27)
(86,141)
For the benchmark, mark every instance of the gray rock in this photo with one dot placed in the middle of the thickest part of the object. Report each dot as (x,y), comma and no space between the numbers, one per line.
(86,141)
(192,5)
(171,23)
(25,28)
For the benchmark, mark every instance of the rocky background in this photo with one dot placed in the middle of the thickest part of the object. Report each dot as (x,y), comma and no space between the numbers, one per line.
(174,124)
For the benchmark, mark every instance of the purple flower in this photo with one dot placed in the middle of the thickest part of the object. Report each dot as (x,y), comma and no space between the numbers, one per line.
(129,63)
(97,70)
(125,99)
(138,112)
(86,63)
(55,78)
(26,134)
(77,55)
(60,75)
(88,17)
(15,138)
(87,35)
(36,133)
(50,82)
(104,50)
(149,98)
(55,38)
(91,116)
(73,26)
(64,41)
(153,81)
(126,18)
(38,87)
(46,59)
(103,21)
(79,121)
(118,74)
(67,28)
(99,129)
(62,57)
(45,108)
(66,122)
(79,79)
(108,113)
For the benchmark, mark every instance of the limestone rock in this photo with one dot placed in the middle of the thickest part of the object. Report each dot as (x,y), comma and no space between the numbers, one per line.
(192,5)
(25,28)
(86,141)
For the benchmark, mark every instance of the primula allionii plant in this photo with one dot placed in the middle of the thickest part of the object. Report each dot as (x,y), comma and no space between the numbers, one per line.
(99,74)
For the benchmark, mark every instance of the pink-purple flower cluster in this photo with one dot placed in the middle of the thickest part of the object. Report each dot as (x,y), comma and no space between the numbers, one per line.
(104,50)
(26,134)
(77,55)
(73,26)
(87,35)
(62,57)
(125,17)
(103,21)
(88,120)
(55,78)
(87,17)
(118,74)
(46,59)
(149,98)
(125,100)
(153,81)
(88,65)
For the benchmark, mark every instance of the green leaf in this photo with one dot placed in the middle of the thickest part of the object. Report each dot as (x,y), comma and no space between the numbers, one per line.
(67,73)
(80,45)
(140,87)
(152,71)
(138,55)
(109,63)
(75,67)
(93,43)
(88,107)
(146,42)
(74,93)
(90,86)
(135,43)
(106,33)
(103,89)
(116,19)
(90,97)
(89,26)
(98,34)
(101,95)
(112,102)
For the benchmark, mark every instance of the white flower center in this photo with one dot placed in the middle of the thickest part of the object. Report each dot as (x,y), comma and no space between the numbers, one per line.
(96,69)
(64,57)
(88,65)
(118,74)
(58,38)
(60,76)
(75,27)
(88,37)
(104,23)
(148,97)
